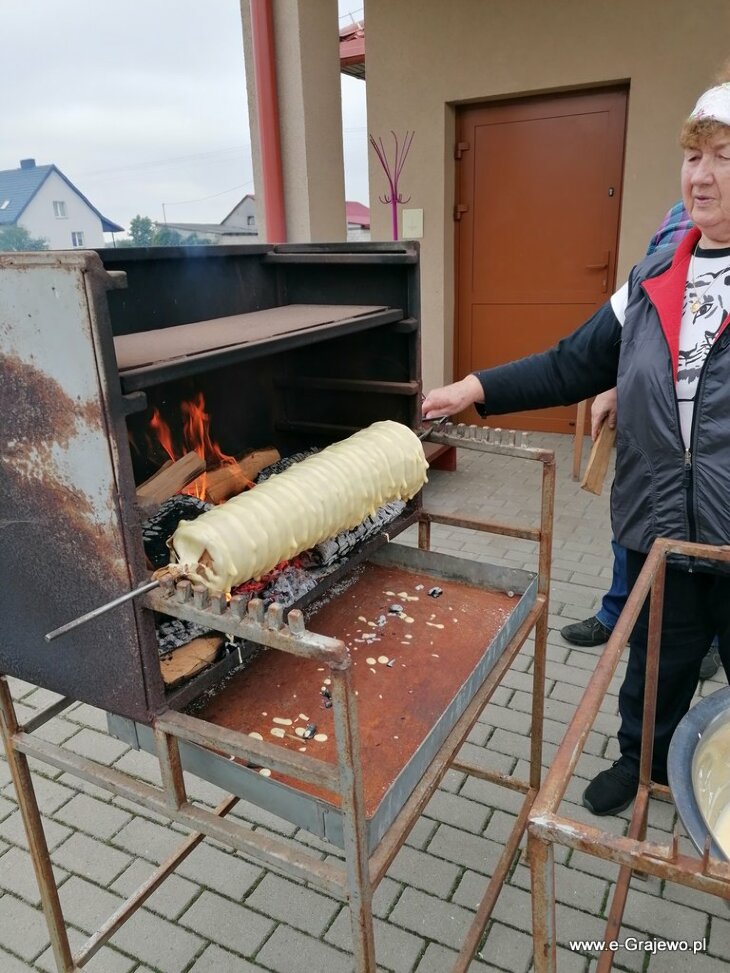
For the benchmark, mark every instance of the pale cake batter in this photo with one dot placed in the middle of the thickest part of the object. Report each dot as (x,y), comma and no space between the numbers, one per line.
(331,491)
(711,779)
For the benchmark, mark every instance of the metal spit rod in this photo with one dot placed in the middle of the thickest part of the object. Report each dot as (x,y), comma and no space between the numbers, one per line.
(101,610)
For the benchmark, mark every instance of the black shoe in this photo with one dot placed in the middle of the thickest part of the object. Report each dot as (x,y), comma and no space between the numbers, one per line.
(588,632)
(710,664)
(612,790)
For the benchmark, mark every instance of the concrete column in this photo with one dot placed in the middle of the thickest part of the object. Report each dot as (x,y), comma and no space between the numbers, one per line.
(308,81)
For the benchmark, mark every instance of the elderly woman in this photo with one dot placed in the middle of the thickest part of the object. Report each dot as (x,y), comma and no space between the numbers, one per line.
(663,340)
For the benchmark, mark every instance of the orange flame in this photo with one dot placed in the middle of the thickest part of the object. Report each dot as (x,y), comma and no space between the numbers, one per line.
(196,438)
(162,431)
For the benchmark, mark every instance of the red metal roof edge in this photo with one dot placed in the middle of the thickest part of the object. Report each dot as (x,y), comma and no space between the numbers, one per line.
(352,44)
(357,213)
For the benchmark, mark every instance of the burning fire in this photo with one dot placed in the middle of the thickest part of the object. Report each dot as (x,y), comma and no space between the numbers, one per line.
(195,438)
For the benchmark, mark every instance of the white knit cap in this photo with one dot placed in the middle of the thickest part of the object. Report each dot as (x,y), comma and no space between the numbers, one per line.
(714,103)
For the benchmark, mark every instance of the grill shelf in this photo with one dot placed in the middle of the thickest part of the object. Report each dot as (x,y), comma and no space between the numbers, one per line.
(149,357)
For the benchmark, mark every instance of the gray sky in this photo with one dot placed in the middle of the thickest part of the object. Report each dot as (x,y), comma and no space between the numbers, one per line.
(142,103)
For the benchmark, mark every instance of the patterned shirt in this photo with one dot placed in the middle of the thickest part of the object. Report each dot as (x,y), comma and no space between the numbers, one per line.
(704,308)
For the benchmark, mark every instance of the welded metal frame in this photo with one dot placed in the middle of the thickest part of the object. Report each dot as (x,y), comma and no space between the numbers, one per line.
(356,878)
(632,852)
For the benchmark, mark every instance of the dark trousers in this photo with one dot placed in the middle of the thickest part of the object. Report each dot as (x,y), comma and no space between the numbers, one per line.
(615,598)
(696,606)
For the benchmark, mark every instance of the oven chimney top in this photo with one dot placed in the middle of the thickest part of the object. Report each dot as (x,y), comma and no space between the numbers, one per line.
(27,163)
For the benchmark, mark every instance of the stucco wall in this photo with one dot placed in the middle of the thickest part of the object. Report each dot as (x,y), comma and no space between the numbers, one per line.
(39,220)
(424,57)
(310,118)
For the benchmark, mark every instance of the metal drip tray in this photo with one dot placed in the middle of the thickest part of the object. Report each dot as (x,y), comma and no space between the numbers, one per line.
(699,773)
(418,661)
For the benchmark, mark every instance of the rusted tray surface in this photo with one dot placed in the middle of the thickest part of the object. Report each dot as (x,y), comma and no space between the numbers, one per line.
(433,649)
(183,340)
(405,710)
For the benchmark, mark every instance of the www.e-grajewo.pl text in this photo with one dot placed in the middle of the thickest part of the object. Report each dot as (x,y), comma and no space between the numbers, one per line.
(633,945)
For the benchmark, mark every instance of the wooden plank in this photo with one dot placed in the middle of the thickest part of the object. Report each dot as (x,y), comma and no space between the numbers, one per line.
(597,466)
(189,659)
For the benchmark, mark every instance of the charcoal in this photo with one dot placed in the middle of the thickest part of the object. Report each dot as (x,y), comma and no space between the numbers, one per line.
(163,524)
(174,632)
(291,584)
(345,542)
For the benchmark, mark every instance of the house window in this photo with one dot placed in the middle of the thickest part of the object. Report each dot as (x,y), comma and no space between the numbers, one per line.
(77,239)
(5,203)
(59,209)
(250,220)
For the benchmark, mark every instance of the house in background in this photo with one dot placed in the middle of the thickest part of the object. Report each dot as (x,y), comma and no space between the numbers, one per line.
(239,226)
(358,221)
(243,214)
(47,204)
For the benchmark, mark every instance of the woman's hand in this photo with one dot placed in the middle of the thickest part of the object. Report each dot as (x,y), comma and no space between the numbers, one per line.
(452,398)
(603,410)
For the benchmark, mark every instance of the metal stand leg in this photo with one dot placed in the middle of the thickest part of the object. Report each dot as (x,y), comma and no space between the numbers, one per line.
(542,869)
(25,793)
(360,890)
(538,700)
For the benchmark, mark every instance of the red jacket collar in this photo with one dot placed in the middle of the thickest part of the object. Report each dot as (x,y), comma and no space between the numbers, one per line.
(666,292)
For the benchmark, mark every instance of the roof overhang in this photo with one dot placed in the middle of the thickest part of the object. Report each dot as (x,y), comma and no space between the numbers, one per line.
(109,227)
(352,50)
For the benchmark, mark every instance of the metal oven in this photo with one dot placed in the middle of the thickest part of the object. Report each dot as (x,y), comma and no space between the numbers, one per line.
(339,706)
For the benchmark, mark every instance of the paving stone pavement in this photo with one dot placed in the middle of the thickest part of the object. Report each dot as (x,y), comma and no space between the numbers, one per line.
(220,913)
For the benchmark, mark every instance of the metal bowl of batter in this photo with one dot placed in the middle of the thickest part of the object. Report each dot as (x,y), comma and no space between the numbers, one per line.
(699,773)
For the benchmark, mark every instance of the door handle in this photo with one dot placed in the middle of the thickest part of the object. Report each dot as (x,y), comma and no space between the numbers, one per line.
(604,265)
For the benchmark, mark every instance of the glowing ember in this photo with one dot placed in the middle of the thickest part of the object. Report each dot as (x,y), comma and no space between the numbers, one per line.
(254,587)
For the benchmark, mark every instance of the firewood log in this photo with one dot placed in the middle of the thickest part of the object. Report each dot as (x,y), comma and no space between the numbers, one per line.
(168,480)
(227,481)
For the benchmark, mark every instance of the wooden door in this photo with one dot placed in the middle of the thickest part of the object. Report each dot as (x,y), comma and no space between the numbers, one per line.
(537,207)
